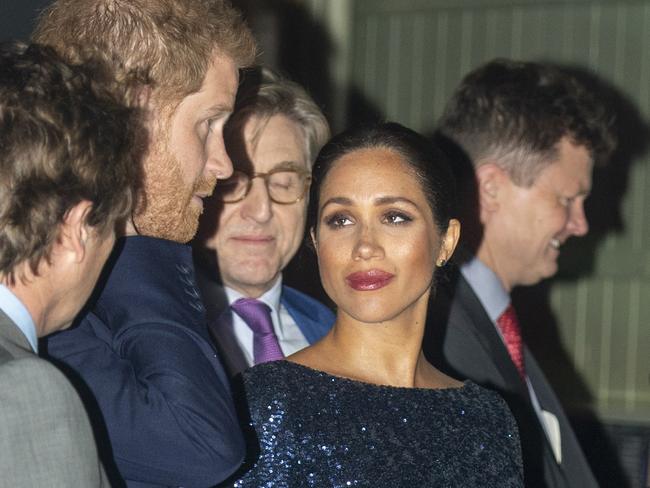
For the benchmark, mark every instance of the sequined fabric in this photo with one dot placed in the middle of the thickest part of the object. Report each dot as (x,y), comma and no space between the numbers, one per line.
(310,429)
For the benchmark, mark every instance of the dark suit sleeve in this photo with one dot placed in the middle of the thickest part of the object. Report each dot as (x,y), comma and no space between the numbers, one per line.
(169,413)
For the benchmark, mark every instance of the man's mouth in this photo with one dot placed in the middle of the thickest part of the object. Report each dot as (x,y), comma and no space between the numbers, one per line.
(253,239)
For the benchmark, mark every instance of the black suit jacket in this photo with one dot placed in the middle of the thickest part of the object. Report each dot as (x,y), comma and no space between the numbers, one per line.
(463,342)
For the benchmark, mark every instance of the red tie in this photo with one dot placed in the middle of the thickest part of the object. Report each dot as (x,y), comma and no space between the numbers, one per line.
(509,326)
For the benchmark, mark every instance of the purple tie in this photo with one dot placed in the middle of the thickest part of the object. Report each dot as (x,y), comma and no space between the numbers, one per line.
(257,316)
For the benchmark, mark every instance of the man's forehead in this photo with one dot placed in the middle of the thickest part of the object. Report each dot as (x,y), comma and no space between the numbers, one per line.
(221,74)
(276,132)
(216,96)
(571,171)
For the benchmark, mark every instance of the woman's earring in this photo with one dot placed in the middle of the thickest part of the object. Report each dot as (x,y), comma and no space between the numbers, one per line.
(442,262)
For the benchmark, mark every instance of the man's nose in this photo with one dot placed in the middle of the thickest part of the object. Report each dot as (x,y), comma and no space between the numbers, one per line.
(217,160)
(257,204)
(578,224)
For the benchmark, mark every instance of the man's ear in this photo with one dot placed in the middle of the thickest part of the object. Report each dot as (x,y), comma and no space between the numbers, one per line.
(74,232)
(490,178)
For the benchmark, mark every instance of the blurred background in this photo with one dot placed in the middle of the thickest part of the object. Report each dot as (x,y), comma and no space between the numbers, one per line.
(400,60)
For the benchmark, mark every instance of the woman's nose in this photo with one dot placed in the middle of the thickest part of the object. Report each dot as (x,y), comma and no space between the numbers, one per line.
(367,246)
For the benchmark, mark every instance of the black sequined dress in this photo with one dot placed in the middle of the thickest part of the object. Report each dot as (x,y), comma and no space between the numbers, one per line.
(311,429)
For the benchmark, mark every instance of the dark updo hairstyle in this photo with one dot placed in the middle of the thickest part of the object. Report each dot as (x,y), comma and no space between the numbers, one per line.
(428,164)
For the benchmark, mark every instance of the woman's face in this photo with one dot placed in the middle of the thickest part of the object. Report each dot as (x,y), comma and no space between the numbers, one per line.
(376,239)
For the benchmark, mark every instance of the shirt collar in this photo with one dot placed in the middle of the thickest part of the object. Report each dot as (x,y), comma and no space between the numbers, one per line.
(18,313)
(270,297)
(487,286)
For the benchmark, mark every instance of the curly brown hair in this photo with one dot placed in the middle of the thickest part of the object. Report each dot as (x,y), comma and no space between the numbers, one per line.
(164,43)
(515,113)
(64,138)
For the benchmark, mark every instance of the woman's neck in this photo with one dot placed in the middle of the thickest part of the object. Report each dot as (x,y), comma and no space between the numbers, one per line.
(386,353)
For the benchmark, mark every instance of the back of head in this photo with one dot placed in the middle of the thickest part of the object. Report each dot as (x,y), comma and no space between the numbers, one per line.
(264,93)
(515,113)
(63,139)
(428,164)
(164,43)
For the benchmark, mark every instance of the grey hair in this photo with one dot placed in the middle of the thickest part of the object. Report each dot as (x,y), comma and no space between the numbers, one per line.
(264,93)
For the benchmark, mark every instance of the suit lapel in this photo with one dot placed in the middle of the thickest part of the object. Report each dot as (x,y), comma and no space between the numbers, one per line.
(306,324)
(487,335)
(219,318)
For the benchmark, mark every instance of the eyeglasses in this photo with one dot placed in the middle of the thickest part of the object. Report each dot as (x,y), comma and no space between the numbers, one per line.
(284,186)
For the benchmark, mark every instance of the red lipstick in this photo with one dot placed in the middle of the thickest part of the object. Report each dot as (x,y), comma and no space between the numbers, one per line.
(372,279)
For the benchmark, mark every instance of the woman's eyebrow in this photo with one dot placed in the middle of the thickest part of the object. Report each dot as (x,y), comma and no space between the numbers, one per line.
(337,200)
(387,200)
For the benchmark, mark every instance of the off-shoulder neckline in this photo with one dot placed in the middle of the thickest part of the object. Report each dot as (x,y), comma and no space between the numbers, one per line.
(467,384)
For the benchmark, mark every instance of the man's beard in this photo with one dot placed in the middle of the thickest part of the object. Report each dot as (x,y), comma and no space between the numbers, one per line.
(166,210)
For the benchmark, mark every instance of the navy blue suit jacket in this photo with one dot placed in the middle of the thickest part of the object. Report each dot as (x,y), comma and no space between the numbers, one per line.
(143,361)
(312,317)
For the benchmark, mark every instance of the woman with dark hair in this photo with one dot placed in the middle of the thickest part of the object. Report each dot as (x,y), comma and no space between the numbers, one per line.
(363,407)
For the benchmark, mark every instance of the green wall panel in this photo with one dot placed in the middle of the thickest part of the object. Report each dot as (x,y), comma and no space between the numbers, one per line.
(407,57)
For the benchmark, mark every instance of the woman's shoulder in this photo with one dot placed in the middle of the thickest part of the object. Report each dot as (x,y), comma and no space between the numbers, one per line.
(491,413)
(282,371)
(492,403)
(276,380)
(482,394)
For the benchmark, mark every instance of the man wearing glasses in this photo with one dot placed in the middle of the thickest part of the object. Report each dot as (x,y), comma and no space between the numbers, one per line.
(255,222)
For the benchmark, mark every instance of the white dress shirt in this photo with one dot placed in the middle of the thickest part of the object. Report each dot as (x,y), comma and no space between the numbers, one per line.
(236,338)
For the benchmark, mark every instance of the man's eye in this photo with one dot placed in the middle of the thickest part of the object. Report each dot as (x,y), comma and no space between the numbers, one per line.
(283,183)
(217,122)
